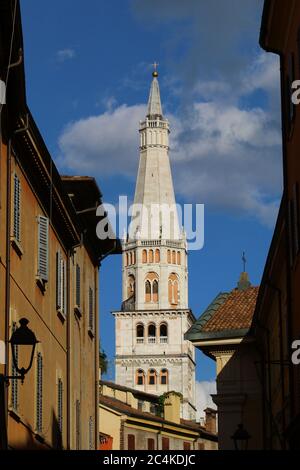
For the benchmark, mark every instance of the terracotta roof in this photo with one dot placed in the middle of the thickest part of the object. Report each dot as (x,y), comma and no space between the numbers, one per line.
(228,316)
(133,412)
(135,392)
(235,312)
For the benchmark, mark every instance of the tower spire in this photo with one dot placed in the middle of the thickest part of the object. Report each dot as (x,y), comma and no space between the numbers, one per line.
(154,102)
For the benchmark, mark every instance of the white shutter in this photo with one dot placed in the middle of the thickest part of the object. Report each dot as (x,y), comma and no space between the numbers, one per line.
(17,209)
(43,240)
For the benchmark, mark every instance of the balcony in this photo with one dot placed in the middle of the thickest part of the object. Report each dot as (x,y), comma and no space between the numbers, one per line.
(163,339)
(151,339)
(140,340)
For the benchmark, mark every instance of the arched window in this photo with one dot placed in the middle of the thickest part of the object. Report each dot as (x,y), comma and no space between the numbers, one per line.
(151,331)
(131,258)
(169,256)
(147,291)
(126,259)
(130,285)
(140,377)
(151,256)
(164,377)
(152,377)
(178,257)
(140,333)
(144,256)
(155,291)
(157,255)
(173,257)
(163,333)
(173,289)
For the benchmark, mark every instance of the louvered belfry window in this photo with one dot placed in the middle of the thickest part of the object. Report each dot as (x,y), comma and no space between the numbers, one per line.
(17,209)
(43,241)
(60,405)
(78,286)
(61,284)
(91,309)
(39,393)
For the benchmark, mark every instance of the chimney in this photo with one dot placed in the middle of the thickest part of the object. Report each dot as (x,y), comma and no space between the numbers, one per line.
(172,407)
(211,420)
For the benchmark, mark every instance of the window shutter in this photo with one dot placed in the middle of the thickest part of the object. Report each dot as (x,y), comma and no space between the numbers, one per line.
(43,240)
(64,286)
(78,286)
(17,209)
(91,309)
(91,433)
(60,406)
(58,281)
(39,394)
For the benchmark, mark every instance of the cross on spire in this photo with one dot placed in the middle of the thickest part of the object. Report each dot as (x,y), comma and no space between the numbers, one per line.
(155,65)
(244,262)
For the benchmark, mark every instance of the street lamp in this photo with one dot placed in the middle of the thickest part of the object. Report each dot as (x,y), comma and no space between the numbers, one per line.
(241,438)
(25,338)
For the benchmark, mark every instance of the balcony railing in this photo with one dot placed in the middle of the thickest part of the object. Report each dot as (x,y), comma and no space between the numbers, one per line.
(163,339)
(140,340)
(151,339)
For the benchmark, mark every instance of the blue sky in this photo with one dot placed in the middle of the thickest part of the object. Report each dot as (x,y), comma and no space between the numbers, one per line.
(88,75)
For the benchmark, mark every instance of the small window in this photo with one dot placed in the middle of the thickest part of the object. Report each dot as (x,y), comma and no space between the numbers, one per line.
(126,259)
(43,242)
(17,209)
(169,256)
(163,330)
(151,256)
(165,443)
(78,287)
(151,444)
(131,442)
(173,257)
(152,330)
(186,446)
(178,257)
(140,377)
(157,256)
(147,291)
(164,377)
(155,290)
(144,256)
(151,377)
(140,331)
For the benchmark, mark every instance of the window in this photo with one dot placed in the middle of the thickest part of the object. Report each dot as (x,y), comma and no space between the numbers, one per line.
(140,405)
(131,258)
(78,424)
(173,257)
(126,259)
(144,256)
(151,256)
(140,377)
(155,290)
(165,443)
(140,333)
(152,377)
(157,255)
(91,433)
(163,330)
(178,257)
(201,446)
(169,256)
(15,382)
(43,240)
(130,286)
(17,209)
(61,283)
(131,442)
(60,407)
(39,394)
(147,291)
(151,444)
(173,290)
(186,446)
(91,309)
(78,287)
(151,331)
(164,377)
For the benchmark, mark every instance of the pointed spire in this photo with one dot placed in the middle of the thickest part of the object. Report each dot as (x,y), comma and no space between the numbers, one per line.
(154,103)
(244,282)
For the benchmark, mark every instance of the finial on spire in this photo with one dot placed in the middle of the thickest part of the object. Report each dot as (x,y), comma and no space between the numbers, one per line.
(155,72)
(244,261)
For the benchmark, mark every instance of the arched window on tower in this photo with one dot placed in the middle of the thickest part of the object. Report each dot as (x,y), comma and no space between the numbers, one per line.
(126,259)
(131,258)
(147,291)
(130,286)
(169,256)
(151,256)
(140,333)
(144,256)
(173,257)
(164,377)
(163,333)
(173,289)
(178,257)
(151,333)
(157,255)
(155,291)
(140,377)
(152,377)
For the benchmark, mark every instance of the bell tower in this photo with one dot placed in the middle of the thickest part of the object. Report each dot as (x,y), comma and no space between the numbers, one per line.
(151,353)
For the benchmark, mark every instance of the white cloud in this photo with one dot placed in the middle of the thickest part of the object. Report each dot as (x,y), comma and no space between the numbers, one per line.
(65,54)
(204,390)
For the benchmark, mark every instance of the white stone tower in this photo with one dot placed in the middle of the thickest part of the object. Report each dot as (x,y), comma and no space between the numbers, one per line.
(151,353)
